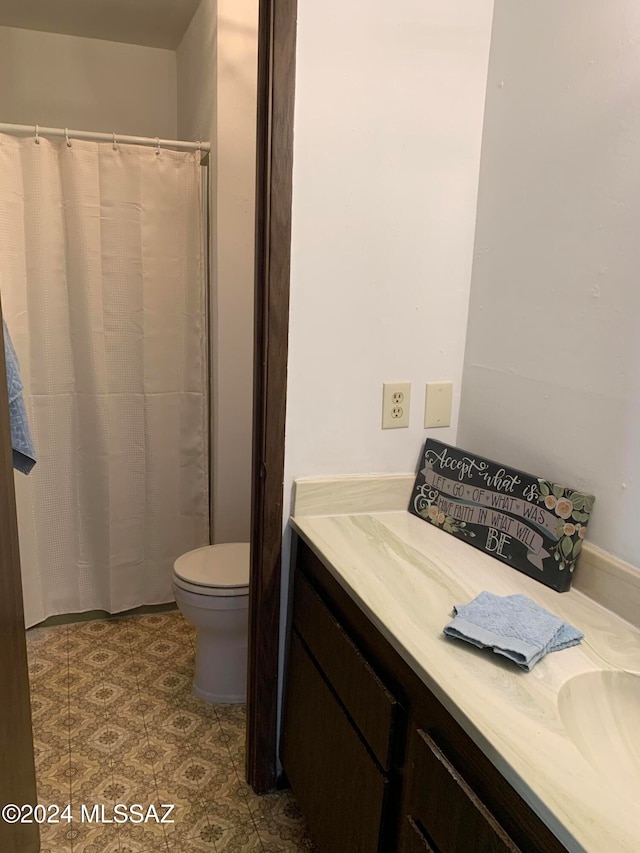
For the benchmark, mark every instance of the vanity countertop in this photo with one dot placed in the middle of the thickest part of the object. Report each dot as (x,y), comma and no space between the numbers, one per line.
(406,575)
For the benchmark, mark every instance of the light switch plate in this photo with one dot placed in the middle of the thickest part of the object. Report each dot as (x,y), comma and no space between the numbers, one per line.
(437,404)
(396,404)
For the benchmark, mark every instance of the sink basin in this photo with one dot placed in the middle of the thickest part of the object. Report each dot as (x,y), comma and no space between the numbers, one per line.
(601,713)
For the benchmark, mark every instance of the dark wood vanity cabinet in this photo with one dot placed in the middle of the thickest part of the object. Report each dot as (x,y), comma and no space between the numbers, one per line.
(339,730)
(338,784)
(441,810)
(375,761)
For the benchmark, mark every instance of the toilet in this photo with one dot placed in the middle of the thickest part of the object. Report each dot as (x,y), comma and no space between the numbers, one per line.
(211,586)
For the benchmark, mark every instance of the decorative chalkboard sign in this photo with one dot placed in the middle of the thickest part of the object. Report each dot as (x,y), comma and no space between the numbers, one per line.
(533,525)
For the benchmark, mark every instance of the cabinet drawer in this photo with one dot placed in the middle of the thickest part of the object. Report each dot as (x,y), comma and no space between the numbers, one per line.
(336,782)
(440,800)
(368,702)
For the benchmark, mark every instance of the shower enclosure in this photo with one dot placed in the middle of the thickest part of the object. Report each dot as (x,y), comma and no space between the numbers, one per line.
(102,275)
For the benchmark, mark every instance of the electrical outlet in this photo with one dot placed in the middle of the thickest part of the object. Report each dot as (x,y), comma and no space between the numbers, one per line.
(396,404)
(437,404)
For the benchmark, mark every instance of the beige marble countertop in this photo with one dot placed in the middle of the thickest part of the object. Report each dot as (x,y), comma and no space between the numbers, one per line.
(406,575)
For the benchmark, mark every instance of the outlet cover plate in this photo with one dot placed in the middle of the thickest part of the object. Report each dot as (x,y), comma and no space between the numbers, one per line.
(396,404)
(437,404)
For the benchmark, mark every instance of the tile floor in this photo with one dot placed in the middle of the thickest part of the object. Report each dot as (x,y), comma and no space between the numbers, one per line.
(114,721)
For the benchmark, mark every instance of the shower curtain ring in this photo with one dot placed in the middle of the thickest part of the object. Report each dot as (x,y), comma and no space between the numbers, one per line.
(157,145)
(37,136)
(115,147)
(66,136)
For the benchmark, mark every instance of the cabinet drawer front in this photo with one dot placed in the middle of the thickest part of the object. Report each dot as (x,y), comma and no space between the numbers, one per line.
(455,818)
(335,780)
(367,700)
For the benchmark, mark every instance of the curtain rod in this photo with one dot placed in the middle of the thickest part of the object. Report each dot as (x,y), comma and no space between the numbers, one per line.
(93,136)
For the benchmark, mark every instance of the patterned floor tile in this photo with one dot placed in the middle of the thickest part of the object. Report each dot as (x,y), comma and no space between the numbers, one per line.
(147,838)
(55,838)
(92,734)
(232,719)
(232,715)
(42,668)
(80,838)
(241,838)
(186,701)
(125,844)
(50,791)
(178,724)
(280,822)
(123,783)
(275,839)
(203,838)
(169,685)
(50,737)
(48,645)
(187,816)
(223,807)
(55,769)
(115,721)
(95,839)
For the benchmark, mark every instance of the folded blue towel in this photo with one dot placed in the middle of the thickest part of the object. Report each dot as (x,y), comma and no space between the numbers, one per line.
(24,457)
(513,626)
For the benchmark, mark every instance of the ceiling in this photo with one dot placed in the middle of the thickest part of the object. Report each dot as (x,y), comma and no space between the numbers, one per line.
(155,23)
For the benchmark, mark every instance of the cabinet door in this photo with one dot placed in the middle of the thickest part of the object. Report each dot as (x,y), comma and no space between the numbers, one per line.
(335,780)
(413,838)
(370,705)
(443,809)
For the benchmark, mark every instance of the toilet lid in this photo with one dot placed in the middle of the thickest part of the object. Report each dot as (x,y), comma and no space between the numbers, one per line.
(215,567)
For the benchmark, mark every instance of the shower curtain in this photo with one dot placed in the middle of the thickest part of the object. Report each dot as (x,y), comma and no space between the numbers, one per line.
(102,281)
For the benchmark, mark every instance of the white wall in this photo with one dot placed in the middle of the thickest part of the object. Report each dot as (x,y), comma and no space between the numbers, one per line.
(217,79)
(388,123)
(552,366)
(236,164)
(86,84)
(196,68)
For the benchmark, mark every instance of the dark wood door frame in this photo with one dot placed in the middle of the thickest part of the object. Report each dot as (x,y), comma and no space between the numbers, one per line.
(276,80)
(17,769)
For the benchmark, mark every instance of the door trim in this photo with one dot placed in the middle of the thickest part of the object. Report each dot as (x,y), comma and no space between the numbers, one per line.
(18,778)
(274,166)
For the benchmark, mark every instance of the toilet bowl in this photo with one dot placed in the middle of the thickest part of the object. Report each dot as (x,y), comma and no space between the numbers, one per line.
(211,586)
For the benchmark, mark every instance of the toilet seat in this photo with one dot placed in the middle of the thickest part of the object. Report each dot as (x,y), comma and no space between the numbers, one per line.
(216,570)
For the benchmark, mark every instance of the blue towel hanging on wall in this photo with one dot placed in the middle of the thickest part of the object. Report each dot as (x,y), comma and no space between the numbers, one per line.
(24,457)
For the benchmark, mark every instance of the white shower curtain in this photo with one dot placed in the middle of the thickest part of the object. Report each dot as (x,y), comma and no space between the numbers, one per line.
(101,274)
